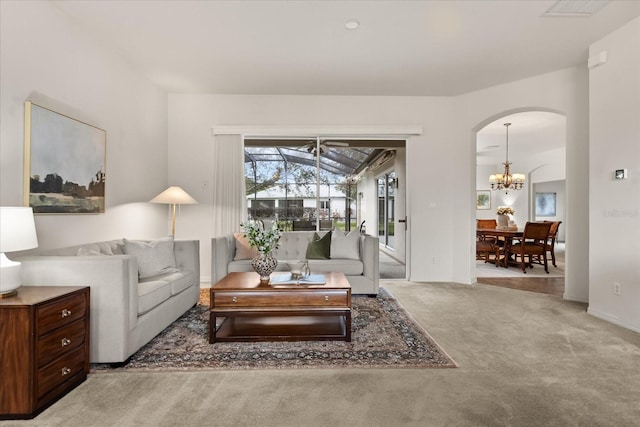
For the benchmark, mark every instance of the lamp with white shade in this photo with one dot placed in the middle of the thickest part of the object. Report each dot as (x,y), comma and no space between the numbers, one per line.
(174,196)
(17,233)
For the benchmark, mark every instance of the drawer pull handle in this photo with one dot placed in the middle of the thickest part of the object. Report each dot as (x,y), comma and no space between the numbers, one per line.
(65,371)
(65,342)
(234,299)
(326,297)
(66,313)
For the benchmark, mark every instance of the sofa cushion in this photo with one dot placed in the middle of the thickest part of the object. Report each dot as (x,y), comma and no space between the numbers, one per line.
(110,247)
(154,258)
(151,293)
(240,266)
(82,251)
(349,267)
(293,245)
(179,281)
(319,247)
(243,248)
(346,246)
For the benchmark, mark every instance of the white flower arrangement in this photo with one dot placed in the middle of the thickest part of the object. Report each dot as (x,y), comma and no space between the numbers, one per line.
(263,240)
(505,210)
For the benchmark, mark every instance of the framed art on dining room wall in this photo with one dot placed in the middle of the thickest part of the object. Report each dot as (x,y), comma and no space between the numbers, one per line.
(64,163)
(483,199)
(546,204)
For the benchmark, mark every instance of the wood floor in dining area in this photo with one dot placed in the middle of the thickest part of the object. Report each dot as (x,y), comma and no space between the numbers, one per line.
(535,280)
(543,285)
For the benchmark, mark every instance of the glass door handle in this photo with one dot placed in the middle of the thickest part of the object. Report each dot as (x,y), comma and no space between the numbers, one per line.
(405,222)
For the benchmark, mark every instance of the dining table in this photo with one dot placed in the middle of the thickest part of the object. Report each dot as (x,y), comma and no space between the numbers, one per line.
(508,236)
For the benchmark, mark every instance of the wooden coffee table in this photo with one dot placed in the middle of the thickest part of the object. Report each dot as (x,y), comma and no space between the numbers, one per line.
(255,312)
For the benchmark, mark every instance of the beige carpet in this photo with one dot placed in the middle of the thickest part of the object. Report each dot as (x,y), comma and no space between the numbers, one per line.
(525,359)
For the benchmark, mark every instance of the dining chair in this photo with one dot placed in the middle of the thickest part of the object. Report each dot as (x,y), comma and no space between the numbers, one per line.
(551,243)
(486,223)
(533,245)
(487,245)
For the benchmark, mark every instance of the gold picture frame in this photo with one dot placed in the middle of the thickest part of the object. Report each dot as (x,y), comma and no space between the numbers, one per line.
(65,163)
(483,199)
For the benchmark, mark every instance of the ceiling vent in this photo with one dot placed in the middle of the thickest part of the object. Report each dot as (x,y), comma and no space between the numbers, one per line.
(570,8)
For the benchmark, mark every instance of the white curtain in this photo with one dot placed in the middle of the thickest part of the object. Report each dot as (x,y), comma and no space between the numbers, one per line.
(229,200)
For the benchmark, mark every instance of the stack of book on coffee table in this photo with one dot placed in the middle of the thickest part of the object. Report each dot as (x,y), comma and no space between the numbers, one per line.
(289,279)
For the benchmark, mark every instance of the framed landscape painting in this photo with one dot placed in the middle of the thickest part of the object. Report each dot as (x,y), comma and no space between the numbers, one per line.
(64,163)
(483,199)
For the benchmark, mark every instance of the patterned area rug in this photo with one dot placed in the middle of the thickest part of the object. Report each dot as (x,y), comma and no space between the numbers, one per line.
(383,335)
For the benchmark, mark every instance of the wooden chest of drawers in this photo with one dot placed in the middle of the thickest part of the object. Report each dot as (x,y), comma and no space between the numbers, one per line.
(44,347)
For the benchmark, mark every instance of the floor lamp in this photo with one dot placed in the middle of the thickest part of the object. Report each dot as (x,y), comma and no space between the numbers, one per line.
(174,196)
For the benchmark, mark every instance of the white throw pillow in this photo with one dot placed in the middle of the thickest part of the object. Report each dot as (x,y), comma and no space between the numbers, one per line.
(154,258)
(87,252)
(243,248)
(345,246)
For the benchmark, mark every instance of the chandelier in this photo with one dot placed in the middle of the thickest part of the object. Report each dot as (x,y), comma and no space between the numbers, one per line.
(506,180)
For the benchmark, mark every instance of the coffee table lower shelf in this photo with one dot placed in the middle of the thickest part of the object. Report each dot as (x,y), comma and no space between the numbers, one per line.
(294,327)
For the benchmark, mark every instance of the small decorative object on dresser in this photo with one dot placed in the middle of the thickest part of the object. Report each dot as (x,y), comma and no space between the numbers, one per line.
(44,336)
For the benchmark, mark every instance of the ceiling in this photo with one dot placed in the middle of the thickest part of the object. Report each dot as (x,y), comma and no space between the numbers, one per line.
(530,133)
(431,48)
(401,48)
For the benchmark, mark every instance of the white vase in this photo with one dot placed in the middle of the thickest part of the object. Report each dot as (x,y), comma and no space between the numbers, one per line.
(503,220)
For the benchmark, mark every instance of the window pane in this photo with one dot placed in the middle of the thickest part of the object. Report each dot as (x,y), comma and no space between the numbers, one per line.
(286,177)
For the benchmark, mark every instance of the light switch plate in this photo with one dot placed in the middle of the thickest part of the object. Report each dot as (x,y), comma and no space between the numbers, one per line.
(621,174)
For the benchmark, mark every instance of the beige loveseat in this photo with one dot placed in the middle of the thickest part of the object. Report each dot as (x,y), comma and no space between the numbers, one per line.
(126,311)
(362,270)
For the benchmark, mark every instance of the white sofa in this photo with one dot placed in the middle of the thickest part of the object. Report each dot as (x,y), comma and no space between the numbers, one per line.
(126,312)
(363,273)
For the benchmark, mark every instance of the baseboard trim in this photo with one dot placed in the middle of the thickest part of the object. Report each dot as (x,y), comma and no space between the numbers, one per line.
(575,298)
(613,319)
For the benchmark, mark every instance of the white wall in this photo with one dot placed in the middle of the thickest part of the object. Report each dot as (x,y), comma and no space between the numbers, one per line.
(542,167)
(614,95)
(557,187)
(49,59)
(429,156)
(563,92)
(441,209)
(517,199)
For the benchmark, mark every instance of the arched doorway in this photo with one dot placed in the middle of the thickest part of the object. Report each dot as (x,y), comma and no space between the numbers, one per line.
(536,148)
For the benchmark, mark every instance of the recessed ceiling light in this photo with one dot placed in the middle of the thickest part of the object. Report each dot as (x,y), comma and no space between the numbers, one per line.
(352,24)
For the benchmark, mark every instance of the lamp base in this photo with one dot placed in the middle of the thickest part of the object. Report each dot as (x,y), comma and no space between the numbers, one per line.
(10,276)
(8,294)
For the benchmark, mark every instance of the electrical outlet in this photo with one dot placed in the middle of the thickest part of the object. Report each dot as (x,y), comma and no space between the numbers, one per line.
(433,260)
(617,288)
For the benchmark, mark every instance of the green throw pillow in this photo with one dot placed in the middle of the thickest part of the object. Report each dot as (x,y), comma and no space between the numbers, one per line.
(319,247)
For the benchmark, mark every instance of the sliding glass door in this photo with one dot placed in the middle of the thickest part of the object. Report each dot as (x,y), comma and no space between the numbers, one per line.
(303,184)
(386,185)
